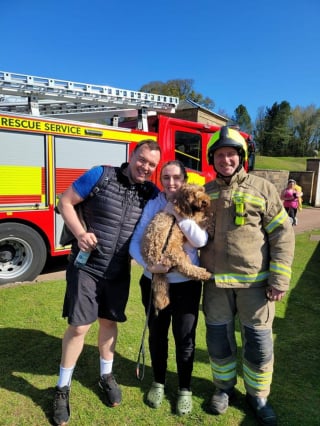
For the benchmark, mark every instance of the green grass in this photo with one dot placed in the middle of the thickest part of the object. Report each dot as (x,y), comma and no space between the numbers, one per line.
(30,345)
(293,164)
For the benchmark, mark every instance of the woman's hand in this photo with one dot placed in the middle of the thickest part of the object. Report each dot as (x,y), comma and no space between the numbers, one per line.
(169,208)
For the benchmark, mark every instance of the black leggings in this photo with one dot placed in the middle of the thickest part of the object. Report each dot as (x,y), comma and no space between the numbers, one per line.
(184,311)
(292,212)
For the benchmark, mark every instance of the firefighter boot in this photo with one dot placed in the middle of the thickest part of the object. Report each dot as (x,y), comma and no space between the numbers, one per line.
(220,400)
(263,411)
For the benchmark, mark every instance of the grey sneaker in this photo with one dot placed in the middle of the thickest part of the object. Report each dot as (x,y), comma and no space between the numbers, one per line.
(61,408)
(112,390)
(220,400)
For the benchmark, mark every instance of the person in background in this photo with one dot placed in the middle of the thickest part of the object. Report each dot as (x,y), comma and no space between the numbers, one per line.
(250,257)
(298,188)
(184,296)
(292,200)
(99,289)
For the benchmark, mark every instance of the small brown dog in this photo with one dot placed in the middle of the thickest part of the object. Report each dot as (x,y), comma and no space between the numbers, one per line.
(163,240)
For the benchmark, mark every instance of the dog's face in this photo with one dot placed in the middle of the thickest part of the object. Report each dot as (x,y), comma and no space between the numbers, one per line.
(191,199)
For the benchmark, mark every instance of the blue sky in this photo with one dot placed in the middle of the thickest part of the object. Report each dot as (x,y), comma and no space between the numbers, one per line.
(248,52)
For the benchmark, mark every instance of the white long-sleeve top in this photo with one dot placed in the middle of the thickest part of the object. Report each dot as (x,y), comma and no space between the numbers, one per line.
(196,237)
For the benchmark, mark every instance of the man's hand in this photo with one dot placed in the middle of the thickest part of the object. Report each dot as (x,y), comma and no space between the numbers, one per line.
(87,241)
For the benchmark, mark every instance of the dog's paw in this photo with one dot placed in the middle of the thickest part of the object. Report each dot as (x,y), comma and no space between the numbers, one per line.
(205,275)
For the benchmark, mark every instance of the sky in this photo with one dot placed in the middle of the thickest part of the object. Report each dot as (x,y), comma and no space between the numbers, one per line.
(248,52)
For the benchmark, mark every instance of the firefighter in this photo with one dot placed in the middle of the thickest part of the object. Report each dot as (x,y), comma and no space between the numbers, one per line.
(250,255)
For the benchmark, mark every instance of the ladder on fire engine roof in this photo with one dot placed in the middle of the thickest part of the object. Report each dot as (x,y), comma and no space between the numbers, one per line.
(40,96)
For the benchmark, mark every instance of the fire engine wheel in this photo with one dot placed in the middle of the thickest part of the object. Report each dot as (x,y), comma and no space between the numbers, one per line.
(23,253)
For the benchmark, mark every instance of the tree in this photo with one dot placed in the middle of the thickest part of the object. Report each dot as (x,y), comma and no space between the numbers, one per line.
(242,118)
(306,130)
(259,131)
(274,133)
(181,88)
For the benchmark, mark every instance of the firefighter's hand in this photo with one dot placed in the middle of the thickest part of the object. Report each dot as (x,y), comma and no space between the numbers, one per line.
(274,295)
(87,241)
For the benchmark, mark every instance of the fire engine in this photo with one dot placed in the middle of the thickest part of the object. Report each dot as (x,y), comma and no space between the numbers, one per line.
(42,154)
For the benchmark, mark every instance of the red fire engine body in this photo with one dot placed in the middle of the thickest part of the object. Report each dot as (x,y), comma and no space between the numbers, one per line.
(41,157)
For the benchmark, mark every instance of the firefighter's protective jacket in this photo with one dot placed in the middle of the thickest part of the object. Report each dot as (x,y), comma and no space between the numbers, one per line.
(253,241)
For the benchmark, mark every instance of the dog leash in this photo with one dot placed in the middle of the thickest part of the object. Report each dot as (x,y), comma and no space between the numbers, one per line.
(142,353)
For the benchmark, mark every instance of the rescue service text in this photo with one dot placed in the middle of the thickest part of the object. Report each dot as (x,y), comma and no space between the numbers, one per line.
(39,125)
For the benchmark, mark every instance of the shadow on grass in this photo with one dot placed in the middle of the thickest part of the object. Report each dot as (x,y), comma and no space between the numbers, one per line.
(296,377)
(19,346)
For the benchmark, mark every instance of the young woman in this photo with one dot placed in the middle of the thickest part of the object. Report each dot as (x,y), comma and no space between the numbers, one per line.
(184,296)
(291,196)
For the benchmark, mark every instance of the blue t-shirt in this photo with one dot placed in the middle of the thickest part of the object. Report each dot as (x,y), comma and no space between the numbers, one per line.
(84,184)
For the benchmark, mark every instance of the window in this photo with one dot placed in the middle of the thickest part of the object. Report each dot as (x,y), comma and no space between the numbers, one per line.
(188,149)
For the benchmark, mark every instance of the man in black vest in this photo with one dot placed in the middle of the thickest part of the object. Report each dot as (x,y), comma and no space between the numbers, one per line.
(99,288)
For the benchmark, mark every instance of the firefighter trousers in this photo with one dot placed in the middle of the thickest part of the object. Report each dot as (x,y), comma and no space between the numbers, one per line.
(224,308)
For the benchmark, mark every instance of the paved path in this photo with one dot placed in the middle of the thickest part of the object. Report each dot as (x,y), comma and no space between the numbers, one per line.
(308,220)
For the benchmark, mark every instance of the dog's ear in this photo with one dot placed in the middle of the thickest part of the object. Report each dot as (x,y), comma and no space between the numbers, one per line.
(200,199)
(182,201)
(204,204)
(205,201)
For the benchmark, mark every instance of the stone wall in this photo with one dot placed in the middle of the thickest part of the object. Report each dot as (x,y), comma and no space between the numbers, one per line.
(313,165)
(305,180)
(280,179)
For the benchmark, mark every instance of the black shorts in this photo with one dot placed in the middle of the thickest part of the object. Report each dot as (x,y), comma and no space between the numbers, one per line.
(89,297)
